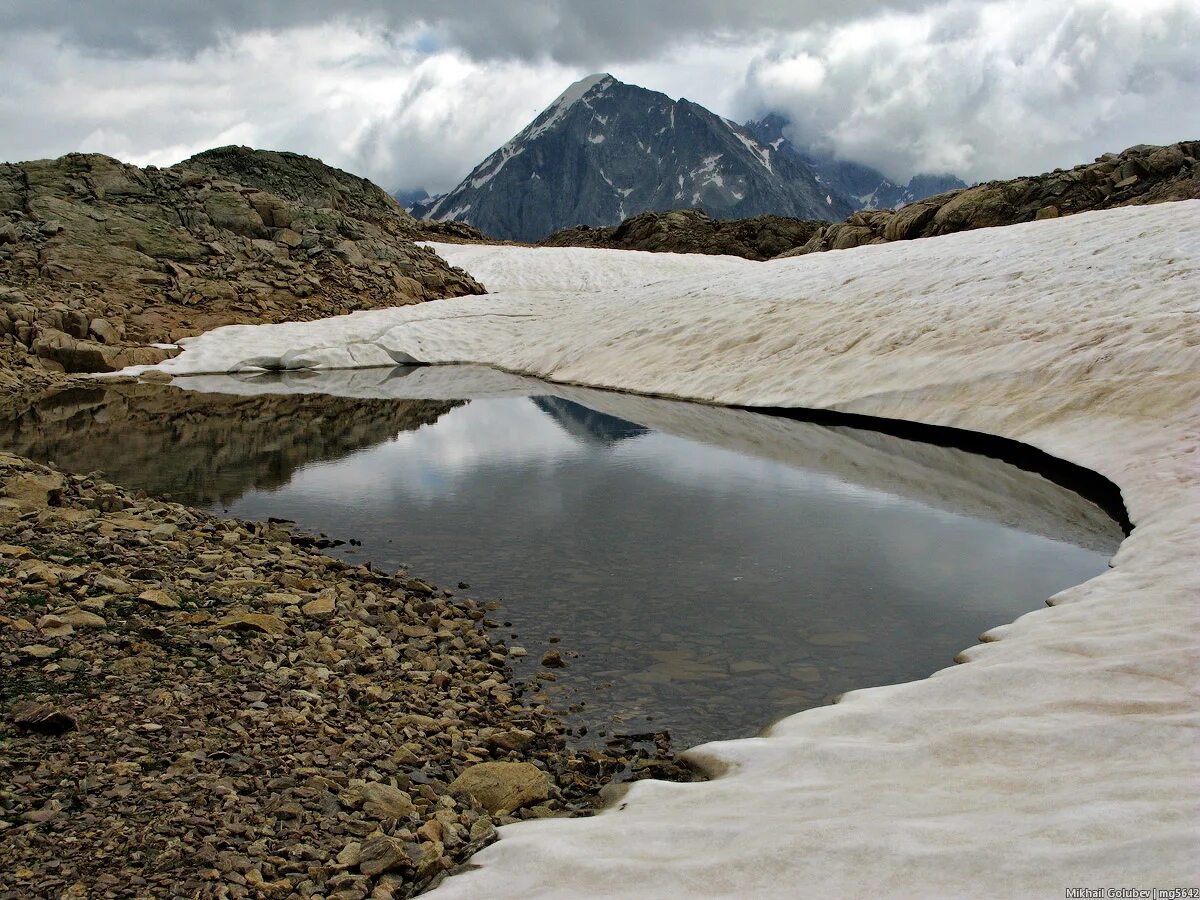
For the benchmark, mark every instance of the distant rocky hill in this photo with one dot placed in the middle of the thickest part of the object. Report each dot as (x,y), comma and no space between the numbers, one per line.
(1141,174)
(99,258)
(865,187)
(605,150)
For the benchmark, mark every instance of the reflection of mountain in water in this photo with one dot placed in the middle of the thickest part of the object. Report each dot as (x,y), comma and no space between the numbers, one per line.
(202,448)
(587,425)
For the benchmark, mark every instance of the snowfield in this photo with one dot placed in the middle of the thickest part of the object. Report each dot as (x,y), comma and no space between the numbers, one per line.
(1066,751)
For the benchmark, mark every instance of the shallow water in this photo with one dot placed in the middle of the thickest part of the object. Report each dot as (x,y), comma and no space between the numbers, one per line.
(704,571)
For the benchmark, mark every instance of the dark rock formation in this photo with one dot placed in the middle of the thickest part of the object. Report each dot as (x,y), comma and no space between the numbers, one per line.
(693,231)
(1141,174)
(605,150)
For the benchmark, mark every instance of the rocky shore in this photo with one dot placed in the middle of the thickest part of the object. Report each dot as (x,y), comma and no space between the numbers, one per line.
(197,706)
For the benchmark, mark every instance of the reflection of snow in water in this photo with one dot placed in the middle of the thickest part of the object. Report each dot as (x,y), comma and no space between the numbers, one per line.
(669,564)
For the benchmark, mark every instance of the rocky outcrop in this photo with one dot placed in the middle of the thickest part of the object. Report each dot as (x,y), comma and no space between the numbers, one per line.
(305,181)
(694,231)
(1141,174)
(99,259)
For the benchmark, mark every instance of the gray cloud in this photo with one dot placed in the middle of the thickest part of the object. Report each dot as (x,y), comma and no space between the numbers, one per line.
(416,93)
(1011,87)
(574,32)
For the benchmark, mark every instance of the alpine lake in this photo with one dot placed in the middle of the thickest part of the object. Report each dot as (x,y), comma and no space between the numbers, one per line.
(698,570)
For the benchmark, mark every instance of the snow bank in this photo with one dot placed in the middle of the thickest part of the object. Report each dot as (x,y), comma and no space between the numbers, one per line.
(1066,752)
(557,269)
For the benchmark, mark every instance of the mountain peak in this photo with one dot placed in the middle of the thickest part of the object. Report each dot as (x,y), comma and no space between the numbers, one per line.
(580,88)
(605,150)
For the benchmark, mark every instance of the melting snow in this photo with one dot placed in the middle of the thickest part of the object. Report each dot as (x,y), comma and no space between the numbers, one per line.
(1064,752)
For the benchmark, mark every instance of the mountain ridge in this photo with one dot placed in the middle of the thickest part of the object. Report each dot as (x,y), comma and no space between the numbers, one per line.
(866,186)
(605,150)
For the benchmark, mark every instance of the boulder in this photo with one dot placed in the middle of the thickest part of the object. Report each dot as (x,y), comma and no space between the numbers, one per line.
(33,490)
(248,621)
(229,210)
(503,786)
(909,221)
(104,331)
(43,718)
(383,801)
(380,853)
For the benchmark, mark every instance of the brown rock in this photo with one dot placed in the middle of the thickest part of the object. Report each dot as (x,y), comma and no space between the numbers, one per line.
(43,718)
(248,621)
(104,331)
(81,618)
(908,221)
(380,853)
(321,608)
(35,490)
(54,627)
(386,802)
(160,599)
(506,786)
(112,585)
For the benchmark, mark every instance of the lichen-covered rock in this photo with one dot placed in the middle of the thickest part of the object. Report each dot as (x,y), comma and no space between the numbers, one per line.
(99,258)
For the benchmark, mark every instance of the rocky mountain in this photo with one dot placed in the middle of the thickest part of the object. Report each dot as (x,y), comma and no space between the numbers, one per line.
(410,197)
(1142,174)
(99,258)
(863,186)
(605,150)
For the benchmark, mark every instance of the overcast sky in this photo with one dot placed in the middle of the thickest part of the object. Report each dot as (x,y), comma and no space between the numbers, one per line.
(414,94)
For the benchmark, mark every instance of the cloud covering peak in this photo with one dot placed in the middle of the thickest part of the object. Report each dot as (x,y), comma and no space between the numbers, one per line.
(415,94)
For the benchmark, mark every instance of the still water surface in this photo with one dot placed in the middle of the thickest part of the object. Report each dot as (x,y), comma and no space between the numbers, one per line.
(703,570)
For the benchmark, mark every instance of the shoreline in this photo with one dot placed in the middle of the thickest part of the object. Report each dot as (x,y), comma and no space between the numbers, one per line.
(1063,753)
(245,713)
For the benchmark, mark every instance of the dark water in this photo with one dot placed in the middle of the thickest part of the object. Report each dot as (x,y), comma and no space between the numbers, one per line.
(705,571)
